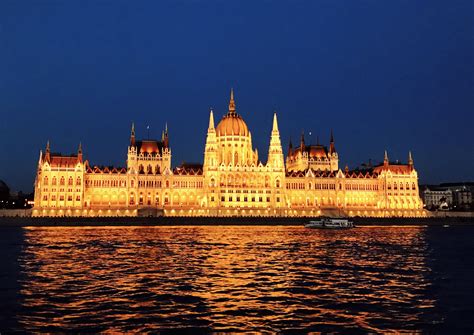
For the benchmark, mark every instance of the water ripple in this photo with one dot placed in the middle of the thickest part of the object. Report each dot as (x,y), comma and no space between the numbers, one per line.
(202,279)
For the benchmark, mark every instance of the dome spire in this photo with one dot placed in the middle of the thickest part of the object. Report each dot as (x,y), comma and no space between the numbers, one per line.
(231,102)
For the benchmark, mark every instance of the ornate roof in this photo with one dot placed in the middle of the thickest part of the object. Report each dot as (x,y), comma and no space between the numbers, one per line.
(150,146)
(313,151)
(106,169)
(58,160)
(190,169)
(394,168)
(232,123)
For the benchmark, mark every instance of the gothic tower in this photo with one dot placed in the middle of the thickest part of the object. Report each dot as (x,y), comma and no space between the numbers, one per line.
(275,152)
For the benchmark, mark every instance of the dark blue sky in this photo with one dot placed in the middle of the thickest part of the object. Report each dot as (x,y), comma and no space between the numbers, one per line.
(395,75)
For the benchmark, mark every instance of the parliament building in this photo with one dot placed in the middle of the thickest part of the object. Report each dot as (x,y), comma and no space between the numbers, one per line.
(232,181)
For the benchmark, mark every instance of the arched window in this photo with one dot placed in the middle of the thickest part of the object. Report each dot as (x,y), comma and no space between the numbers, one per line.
(78,181)
(45,180)
(70,181)
(157,169)
(413,187)
(236,158)
(277,183)
(62,181)
(132,183)
(401,186)
(394,186)
(149,170)
(389,186)
(140,169)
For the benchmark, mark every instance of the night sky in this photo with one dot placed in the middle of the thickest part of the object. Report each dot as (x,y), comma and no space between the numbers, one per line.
(395,75)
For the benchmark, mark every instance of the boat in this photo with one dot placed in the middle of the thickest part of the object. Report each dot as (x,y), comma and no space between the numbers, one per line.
(330,223)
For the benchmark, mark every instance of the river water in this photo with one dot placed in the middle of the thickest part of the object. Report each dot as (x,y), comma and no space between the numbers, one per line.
(200,279)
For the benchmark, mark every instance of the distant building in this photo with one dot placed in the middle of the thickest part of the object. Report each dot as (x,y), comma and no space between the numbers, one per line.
(458,196)
(435,198)
(463,198)
(232,181)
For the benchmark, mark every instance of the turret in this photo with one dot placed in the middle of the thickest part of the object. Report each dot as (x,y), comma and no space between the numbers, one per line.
(275,152)
(132,135)
(210,150)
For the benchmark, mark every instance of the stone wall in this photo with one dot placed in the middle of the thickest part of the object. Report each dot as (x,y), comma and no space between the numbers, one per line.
(15,212)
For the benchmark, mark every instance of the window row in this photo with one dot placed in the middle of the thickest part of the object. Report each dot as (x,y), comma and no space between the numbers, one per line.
(61,197)
(62,181)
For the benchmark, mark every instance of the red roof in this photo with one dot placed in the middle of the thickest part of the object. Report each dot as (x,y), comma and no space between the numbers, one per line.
(395,168)
(150,146)
(63,161)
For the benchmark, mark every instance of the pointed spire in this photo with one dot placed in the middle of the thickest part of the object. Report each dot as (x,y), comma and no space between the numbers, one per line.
(166,140)
(332,148)
(211,120)
(231,102)
(385,158)
(162,135)
(410,158)
(47,155)
(275,122)
(79,152)
(132,135)
(302,140)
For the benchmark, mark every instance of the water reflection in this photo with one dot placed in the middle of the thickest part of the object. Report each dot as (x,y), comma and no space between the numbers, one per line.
(223,279)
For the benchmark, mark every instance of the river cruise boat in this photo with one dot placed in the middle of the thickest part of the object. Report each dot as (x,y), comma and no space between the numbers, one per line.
(330,223)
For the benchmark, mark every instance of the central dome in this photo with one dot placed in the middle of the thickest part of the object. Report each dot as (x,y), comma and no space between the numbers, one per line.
(232,123)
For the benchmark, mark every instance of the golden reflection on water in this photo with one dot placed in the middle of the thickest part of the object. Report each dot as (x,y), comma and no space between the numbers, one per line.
(223,278)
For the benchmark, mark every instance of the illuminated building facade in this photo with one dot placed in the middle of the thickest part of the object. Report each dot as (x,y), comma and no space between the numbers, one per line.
(232,181)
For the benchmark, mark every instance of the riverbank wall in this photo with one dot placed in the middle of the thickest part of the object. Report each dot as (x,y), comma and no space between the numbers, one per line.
(220,221)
